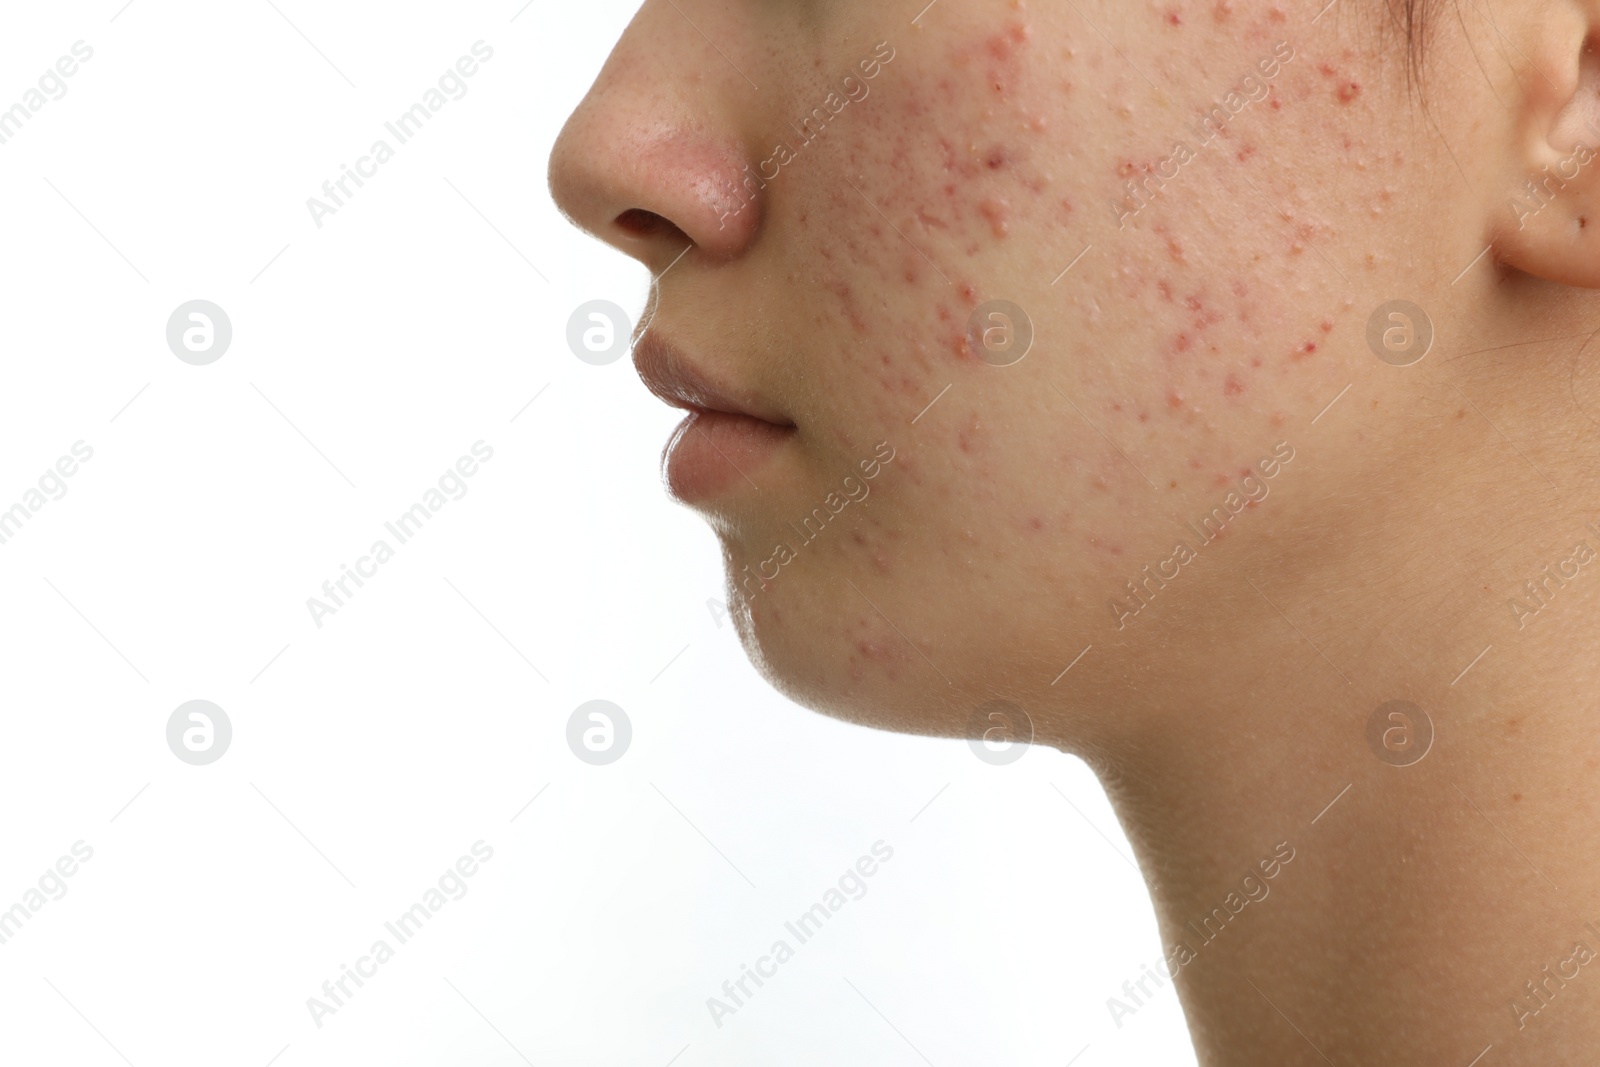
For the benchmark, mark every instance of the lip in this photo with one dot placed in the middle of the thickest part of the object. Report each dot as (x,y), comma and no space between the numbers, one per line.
(728,435)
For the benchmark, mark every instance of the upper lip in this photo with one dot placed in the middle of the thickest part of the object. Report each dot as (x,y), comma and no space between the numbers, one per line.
(669,375)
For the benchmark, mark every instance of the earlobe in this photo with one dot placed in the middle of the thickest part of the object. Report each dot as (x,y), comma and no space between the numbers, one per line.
(1548,223)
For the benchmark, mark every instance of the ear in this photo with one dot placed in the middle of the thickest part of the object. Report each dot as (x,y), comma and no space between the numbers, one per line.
(1548,222)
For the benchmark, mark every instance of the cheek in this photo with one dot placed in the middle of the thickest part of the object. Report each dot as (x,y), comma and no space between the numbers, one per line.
(902,207)
(998,166)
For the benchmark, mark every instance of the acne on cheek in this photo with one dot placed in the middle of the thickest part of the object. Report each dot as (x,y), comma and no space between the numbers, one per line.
(945,165)
(946,155)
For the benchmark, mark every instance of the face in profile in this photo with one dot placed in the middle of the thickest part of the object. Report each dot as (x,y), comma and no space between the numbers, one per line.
(981,318)
(1191,378)
(1010,331)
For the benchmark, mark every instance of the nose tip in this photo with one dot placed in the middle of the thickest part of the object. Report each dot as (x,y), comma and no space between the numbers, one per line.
(639,169)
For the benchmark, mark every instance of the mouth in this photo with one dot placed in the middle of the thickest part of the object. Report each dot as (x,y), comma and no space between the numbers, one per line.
(726,439)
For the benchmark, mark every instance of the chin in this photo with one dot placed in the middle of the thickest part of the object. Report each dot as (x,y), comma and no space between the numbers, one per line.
(812,650)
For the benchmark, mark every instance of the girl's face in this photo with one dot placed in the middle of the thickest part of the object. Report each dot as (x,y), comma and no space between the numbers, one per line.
(1198,211)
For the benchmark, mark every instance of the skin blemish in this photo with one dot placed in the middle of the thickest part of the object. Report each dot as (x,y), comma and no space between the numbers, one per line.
(1223,11)
(998,211)
(1174,18)
(1002,45)
(1348,92)
(1233,386)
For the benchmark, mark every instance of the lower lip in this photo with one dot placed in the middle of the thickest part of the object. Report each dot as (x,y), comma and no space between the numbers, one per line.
(712,452)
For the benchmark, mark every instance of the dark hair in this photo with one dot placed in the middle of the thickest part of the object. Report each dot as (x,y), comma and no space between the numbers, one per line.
(1411,19)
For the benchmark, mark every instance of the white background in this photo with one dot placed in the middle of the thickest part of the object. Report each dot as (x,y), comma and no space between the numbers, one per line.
(370,753)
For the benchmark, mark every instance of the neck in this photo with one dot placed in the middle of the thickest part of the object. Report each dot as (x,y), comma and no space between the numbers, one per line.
(1325,896)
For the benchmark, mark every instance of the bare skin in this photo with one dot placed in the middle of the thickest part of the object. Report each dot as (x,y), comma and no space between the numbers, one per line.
(1201,348)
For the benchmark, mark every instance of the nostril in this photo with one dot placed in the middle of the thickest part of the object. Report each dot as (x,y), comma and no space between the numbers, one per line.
(637,222)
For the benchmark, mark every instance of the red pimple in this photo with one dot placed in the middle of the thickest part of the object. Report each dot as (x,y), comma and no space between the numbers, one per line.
(1002,45)
(1233,386)
(998,212)
(1348,92)
(1246,152)
(1327,327)
(1327,70)
(1222,11)
(1174,18)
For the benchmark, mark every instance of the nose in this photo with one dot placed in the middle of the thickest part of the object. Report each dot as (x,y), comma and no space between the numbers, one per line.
(652,161)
